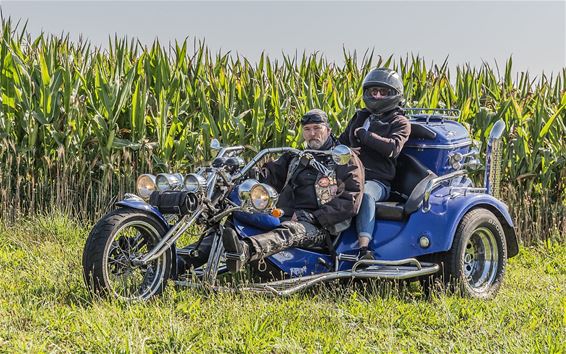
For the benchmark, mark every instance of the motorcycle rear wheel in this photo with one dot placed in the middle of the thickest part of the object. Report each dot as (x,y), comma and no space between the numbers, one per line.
(117,239)
(476,263)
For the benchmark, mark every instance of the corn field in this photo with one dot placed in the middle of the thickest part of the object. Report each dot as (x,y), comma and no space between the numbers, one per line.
(79,123)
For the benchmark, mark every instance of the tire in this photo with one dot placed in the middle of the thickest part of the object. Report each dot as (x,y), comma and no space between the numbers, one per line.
(475,265)
(116,239)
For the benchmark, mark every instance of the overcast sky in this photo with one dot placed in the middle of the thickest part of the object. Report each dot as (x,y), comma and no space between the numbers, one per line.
(534,32)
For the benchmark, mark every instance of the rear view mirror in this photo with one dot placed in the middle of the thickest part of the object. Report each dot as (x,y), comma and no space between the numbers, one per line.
(215,144)
(341,154)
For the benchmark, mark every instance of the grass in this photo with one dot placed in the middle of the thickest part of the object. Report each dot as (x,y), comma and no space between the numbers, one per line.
(44,307)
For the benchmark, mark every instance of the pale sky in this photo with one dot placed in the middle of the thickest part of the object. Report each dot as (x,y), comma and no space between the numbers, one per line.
(534,32)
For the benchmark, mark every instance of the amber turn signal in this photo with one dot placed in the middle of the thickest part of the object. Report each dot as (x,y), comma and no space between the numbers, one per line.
(277,213)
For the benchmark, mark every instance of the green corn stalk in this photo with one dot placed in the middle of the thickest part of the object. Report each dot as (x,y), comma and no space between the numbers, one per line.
(77,124)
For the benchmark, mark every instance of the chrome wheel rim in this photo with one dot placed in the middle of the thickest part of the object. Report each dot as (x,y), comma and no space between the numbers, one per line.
(126,280)
(480,259)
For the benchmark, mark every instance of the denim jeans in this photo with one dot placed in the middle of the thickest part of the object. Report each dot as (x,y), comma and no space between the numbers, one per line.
(374,191)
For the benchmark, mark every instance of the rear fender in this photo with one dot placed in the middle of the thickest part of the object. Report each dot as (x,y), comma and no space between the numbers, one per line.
(394,240)
(499,209)
(454,208)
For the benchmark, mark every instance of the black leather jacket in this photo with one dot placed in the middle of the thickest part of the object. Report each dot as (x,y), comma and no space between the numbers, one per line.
(299,193)
(380,144)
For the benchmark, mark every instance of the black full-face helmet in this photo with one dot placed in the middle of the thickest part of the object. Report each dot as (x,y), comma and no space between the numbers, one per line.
(384,78)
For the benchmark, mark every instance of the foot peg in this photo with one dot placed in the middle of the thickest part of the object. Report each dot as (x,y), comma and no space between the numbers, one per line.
(235,256)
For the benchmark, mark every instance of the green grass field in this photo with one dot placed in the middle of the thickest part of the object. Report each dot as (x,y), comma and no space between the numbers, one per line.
(44,307)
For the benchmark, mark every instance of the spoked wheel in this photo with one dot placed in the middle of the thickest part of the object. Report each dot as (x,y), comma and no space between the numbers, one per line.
(111,248)
(476,262)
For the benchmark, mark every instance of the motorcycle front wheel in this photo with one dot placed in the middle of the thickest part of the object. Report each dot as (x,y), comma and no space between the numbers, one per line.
(115,241)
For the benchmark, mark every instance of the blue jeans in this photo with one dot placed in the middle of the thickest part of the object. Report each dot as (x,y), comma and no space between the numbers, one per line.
(374,191)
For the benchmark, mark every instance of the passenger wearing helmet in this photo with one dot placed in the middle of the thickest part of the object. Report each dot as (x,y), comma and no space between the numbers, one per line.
(378,133)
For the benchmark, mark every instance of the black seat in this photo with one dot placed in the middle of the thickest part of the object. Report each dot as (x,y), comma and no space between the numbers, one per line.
(407,189)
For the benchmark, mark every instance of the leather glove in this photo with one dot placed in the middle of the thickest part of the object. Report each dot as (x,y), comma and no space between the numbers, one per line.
(303,215)
(360,133)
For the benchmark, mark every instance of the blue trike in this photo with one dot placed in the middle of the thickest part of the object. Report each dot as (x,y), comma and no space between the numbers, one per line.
(436,226)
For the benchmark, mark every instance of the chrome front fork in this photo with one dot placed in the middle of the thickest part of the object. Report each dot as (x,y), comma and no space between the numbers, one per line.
(170,237)
(211,267)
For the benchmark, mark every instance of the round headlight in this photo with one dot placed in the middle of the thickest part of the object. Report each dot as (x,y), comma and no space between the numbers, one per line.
(263,197)
(194,183)
(259,196)
(455,160)
(167,182)
(145,186)
(245,189)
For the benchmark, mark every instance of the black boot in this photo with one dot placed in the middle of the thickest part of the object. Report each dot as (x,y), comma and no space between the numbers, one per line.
(365,254)
(237,251)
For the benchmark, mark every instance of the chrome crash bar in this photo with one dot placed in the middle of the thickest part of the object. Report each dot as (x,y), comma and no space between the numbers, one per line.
(398,270)
(403,269)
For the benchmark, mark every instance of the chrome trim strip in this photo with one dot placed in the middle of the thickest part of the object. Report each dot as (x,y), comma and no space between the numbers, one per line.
(447,147)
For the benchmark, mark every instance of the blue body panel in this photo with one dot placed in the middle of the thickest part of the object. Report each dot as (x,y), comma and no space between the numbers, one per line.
(392,240)
(141,205)
(451,137)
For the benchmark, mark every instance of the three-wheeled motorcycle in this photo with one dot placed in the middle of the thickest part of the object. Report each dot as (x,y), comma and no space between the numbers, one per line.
(436,224)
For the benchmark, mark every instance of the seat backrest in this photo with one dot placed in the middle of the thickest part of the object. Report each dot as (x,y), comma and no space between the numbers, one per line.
(409,172)
(420,131)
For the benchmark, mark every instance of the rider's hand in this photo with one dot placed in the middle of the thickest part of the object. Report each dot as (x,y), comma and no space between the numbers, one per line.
(303,215)
(360,133)
(356,150)
(357,130)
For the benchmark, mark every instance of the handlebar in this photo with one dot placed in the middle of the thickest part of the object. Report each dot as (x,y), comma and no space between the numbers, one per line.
(259,156)
(226,150)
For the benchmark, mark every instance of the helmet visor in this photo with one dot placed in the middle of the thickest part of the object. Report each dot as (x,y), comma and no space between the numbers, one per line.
(380,91)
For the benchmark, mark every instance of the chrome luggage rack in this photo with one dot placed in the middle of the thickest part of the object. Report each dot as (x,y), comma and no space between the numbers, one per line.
(442,113)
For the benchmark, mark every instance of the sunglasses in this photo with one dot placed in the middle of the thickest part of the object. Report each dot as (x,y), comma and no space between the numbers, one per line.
(312,118)
(382,91)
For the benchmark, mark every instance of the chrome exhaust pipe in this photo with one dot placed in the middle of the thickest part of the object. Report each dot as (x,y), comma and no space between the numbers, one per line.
(492,176)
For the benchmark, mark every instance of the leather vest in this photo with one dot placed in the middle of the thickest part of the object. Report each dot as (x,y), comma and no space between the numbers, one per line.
(326,187)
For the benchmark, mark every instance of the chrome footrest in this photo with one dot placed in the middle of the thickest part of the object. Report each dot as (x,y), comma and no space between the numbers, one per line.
(396,272)
(235,256)
(373,269)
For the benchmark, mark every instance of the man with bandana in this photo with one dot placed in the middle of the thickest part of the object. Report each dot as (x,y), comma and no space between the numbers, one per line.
(315,206)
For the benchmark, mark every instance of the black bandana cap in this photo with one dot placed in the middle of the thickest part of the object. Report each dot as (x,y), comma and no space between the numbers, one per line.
(314,116)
